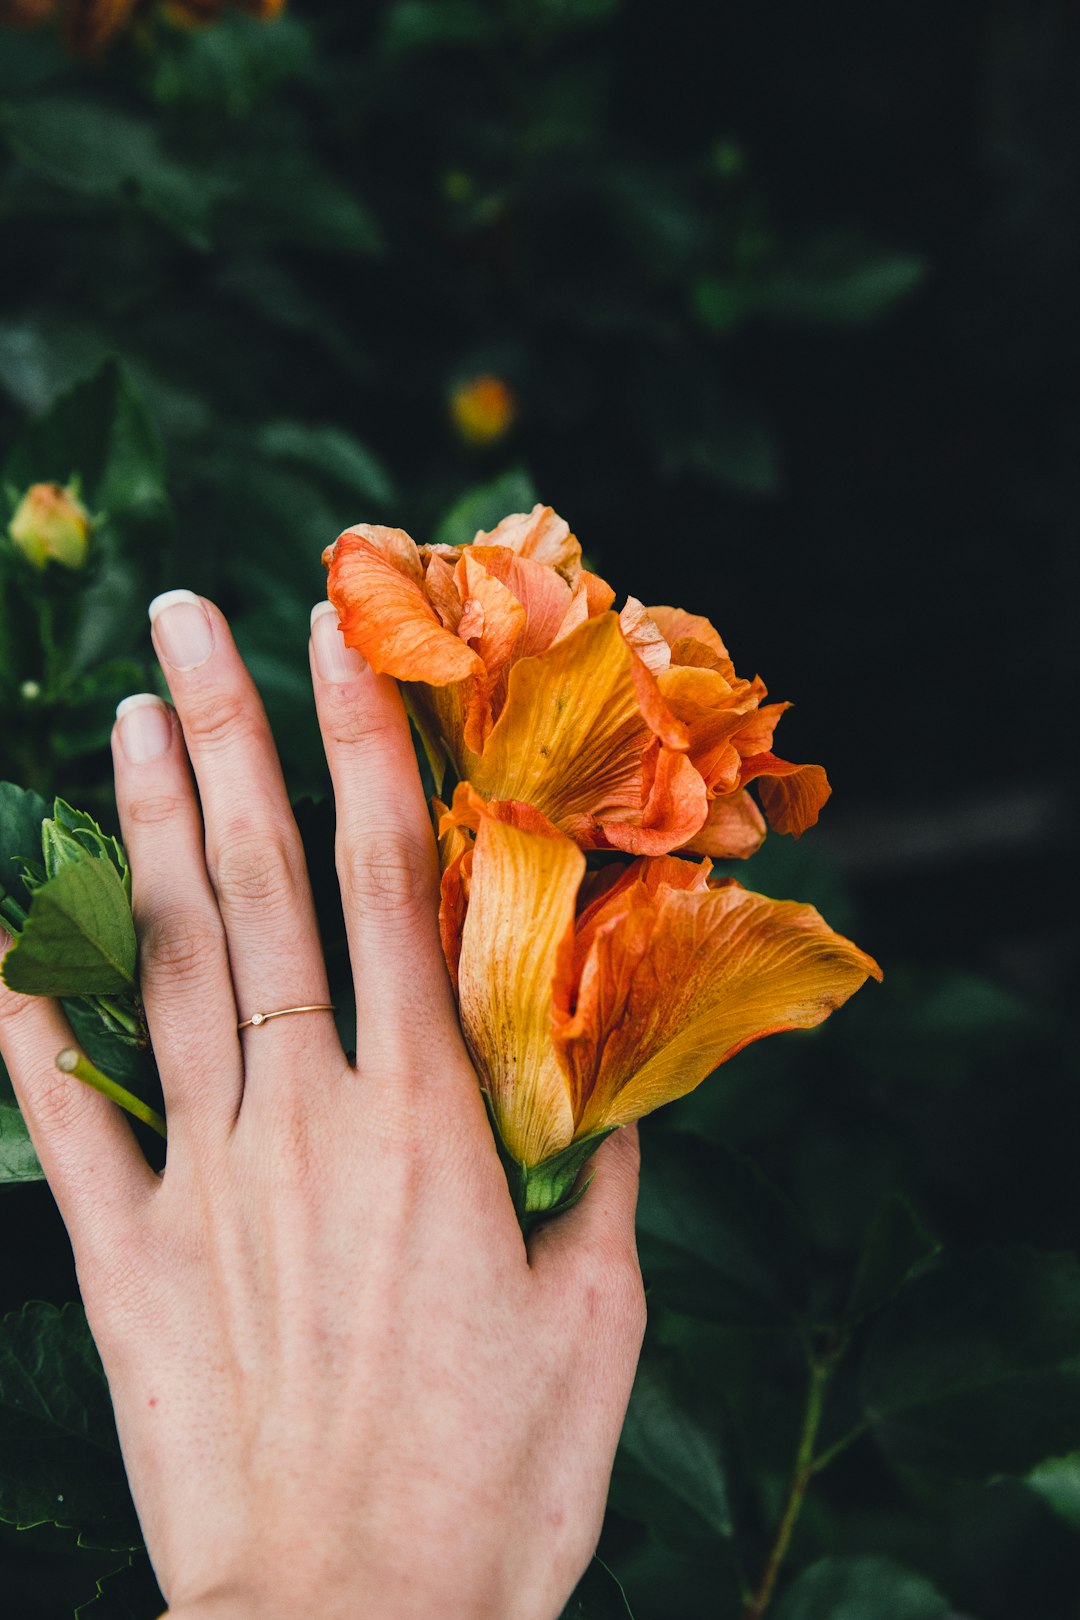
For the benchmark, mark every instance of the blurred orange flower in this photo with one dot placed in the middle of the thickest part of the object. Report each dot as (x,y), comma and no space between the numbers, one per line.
(483,409)
(627,730)
(634,983)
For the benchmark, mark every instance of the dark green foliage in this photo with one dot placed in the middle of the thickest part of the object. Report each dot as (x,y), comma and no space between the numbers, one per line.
(788,309)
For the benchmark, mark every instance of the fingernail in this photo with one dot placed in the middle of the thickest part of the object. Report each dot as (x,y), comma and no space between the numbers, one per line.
(184,634)
(145,727)
(333,660)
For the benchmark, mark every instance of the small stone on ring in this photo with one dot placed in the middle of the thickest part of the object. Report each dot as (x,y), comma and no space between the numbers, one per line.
(258,1018)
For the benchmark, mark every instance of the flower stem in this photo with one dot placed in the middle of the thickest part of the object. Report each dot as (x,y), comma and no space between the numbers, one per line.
(69,1061)
(804,1470)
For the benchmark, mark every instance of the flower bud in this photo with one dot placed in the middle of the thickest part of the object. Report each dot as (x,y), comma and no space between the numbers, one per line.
(483,409)
(52,524)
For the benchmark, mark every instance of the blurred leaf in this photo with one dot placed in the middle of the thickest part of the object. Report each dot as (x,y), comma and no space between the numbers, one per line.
(974,1368)
(59,1455)
(422,25)
(895,1244)
(933,1025)
(333,453)
(1057,1481)
(87,146)
(842,283)
(598,1596)
(233,65)
(484,506)
(861,1589)
(100,432)
(718,1240)
(78,938)
(666,1439)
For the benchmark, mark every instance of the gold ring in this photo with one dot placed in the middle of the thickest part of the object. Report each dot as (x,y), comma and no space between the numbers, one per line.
(260,1018)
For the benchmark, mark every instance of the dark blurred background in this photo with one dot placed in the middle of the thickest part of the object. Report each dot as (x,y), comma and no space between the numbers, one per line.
(777,305)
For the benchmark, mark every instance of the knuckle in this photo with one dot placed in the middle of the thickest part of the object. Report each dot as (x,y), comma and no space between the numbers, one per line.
(217,716)
(154,809)
(357,725)
(182,943)
(386,873)
(253,869)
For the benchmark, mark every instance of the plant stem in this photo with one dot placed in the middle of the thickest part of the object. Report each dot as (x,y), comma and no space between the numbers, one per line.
(124,1019)
(69,1061)
(803,1472)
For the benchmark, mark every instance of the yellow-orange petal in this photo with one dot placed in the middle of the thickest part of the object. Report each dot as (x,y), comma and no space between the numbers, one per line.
(717,970)
(517,932)
(375,582)
(734,829)
(571,737)
(792,796)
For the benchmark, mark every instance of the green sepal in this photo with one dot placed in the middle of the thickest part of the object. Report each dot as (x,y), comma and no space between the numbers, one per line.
(540,1191)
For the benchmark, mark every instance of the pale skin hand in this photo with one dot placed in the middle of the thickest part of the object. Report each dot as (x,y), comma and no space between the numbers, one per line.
(342,1383)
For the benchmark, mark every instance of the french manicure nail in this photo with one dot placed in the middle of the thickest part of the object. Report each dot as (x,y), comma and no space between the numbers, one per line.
(184,633)
(334,661)
(145,727)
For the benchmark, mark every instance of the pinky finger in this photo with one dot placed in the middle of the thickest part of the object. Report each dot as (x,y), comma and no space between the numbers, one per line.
(90,1157)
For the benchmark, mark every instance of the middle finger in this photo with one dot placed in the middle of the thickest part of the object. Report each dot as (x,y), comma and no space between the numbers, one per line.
(254,854)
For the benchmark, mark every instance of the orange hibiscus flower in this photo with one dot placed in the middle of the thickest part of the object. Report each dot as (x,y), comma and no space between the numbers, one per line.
(628,730)
(634,983)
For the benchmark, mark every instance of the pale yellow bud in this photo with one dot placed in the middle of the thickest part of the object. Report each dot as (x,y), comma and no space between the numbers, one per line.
(52,524)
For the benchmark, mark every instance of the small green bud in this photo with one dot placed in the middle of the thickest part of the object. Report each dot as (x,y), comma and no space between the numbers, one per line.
(52,524)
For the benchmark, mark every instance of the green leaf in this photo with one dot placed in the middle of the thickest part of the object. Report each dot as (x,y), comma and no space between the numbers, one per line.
(78,939)
(333,453)
(718,1240)
(21,815)
(59,1455)
(598,1596)
(974,1369)
(485,506)
(18,1161)
(91,148)
(670,1448)
(861,1589)
(895,1244)
(1057,1481)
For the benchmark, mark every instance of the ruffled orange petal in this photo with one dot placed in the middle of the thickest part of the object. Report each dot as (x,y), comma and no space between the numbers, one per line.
(734,829)
(540,534)
(792,795)
(544,595)
(493,623)
(376,584)
(518,932)
(675,807)
(692,639)
(677,982)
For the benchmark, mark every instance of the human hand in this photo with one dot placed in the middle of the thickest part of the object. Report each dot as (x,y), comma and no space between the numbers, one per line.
(342,1383)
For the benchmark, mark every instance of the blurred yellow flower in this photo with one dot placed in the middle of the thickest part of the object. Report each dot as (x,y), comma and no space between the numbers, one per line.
(483,409)
(52,525)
